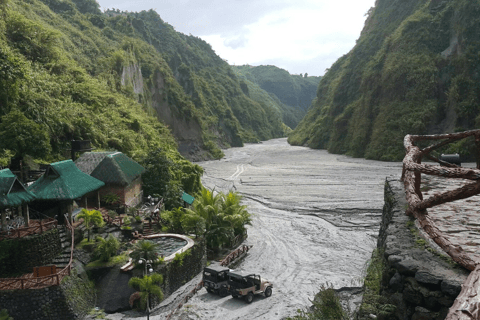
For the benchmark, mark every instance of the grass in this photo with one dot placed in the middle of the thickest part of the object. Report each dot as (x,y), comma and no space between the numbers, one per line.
(114,261)
(85,242)
(373,301)
(326,306)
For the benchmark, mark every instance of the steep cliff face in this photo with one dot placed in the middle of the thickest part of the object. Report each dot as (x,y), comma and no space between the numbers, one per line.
(226,115)
(415,69)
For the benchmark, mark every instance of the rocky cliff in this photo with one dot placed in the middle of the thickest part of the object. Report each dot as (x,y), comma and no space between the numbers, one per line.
(414,69)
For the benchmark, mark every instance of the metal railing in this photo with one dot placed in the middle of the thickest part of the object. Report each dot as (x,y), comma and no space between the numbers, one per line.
(467,304)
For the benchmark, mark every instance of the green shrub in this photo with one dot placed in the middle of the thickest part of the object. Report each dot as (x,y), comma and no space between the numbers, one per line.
(326,306)
(107,248)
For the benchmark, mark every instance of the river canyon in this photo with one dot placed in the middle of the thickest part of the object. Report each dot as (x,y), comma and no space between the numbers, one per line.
(315,219)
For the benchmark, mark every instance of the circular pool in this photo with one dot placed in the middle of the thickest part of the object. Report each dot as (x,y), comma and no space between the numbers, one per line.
(169,244)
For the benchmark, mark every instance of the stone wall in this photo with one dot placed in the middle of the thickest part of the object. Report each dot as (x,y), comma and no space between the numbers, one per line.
(21,255)
(177,273)
(419,279)
(112,284)
(71,300)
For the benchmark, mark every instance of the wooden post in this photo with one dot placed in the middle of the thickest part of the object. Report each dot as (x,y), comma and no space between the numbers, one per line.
(4,220)
(70,210)
(85,201)
(98,199)
(477,144)
(26,215)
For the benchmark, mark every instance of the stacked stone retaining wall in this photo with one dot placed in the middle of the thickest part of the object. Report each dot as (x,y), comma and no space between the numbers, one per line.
(71,300)
(112,284)
(20,255)
(422,282)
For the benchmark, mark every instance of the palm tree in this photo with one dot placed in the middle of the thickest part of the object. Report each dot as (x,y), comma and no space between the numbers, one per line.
(236,214)
(107,248)
(144,249)
(90,218)
(148,285)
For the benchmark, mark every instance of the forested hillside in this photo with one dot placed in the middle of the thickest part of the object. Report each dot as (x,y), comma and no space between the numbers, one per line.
(125,81)
(415,69)
(291,94)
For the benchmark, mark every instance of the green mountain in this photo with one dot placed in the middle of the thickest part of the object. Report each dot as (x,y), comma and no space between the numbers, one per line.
(125,81)
(414,70)
(291,94)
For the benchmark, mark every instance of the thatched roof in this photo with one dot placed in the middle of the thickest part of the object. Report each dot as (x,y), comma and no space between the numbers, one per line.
(110,167)
(12,192)
(64,181)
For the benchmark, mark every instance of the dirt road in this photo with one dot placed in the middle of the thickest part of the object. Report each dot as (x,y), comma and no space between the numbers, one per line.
(315,218)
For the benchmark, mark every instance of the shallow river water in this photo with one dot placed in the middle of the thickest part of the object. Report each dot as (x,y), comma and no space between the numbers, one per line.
(315,220)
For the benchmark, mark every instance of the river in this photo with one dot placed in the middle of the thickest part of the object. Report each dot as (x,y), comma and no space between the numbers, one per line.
(315,218)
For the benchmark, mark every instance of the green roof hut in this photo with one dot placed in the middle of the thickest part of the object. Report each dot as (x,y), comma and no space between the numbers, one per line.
(13,194)
(64,182)
(121,175)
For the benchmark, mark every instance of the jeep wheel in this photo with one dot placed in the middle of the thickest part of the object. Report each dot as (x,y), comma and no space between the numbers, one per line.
(249,297)
(222,292)
(268,292)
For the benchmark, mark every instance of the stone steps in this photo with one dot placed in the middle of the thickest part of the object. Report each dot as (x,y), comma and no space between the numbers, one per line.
(62,259)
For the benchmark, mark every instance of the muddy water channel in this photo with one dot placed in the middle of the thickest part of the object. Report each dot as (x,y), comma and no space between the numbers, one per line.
(315,221)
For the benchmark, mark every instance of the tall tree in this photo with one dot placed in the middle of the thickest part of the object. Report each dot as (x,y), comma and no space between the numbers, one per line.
(23,136)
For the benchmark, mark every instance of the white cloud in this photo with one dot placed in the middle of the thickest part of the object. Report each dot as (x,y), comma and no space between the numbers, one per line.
(298,34)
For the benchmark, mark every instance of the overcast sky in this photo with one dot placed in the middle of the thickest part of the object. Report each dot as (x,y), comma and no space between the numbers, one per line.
(296,35)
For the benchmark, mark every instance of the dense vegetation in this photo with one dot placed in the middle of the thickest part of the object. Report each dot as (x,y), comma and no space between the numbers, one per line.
(290,94)
(70,72)
(225,114)
(414,70)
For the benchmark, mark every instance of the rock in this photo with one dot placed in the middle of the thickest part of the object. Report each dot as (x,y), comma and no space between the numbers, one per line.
(411,292)
(407,267)
(451,287)
(396,283)
(427,278)
(432,300)
(423,314)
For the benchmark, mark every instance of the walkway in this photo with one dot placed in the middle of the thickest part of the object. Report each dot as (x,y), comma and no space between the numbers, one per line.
(458,219)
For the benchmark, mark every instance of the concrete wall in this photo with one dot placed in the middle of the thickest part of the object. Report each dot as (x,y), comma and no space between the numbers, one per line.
(420,281)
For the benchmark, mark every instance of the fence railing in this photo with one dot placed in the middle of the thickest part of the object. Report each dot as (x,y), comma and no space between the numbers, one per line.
(36,227)
(467,304)
(234,255)
(31,282)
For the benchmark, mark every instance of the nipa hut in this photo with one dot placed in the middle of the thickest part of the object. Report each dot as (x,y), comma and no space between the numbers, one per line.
(63,183)
(13,194)
(121,175)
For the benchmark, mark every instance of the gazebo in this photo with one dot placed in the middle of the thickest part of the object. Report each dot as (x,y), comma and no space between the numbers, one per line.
(13,194)
(121,174)
(64,182)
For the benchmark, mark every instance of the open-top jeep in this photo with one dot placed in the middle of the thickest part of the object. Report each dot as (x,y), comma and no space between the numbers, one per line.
(215,280)
(247,285)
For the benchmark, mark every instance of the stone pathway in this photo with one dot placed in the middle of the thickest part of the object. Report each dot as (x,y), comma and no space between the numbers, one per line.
(458,219)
